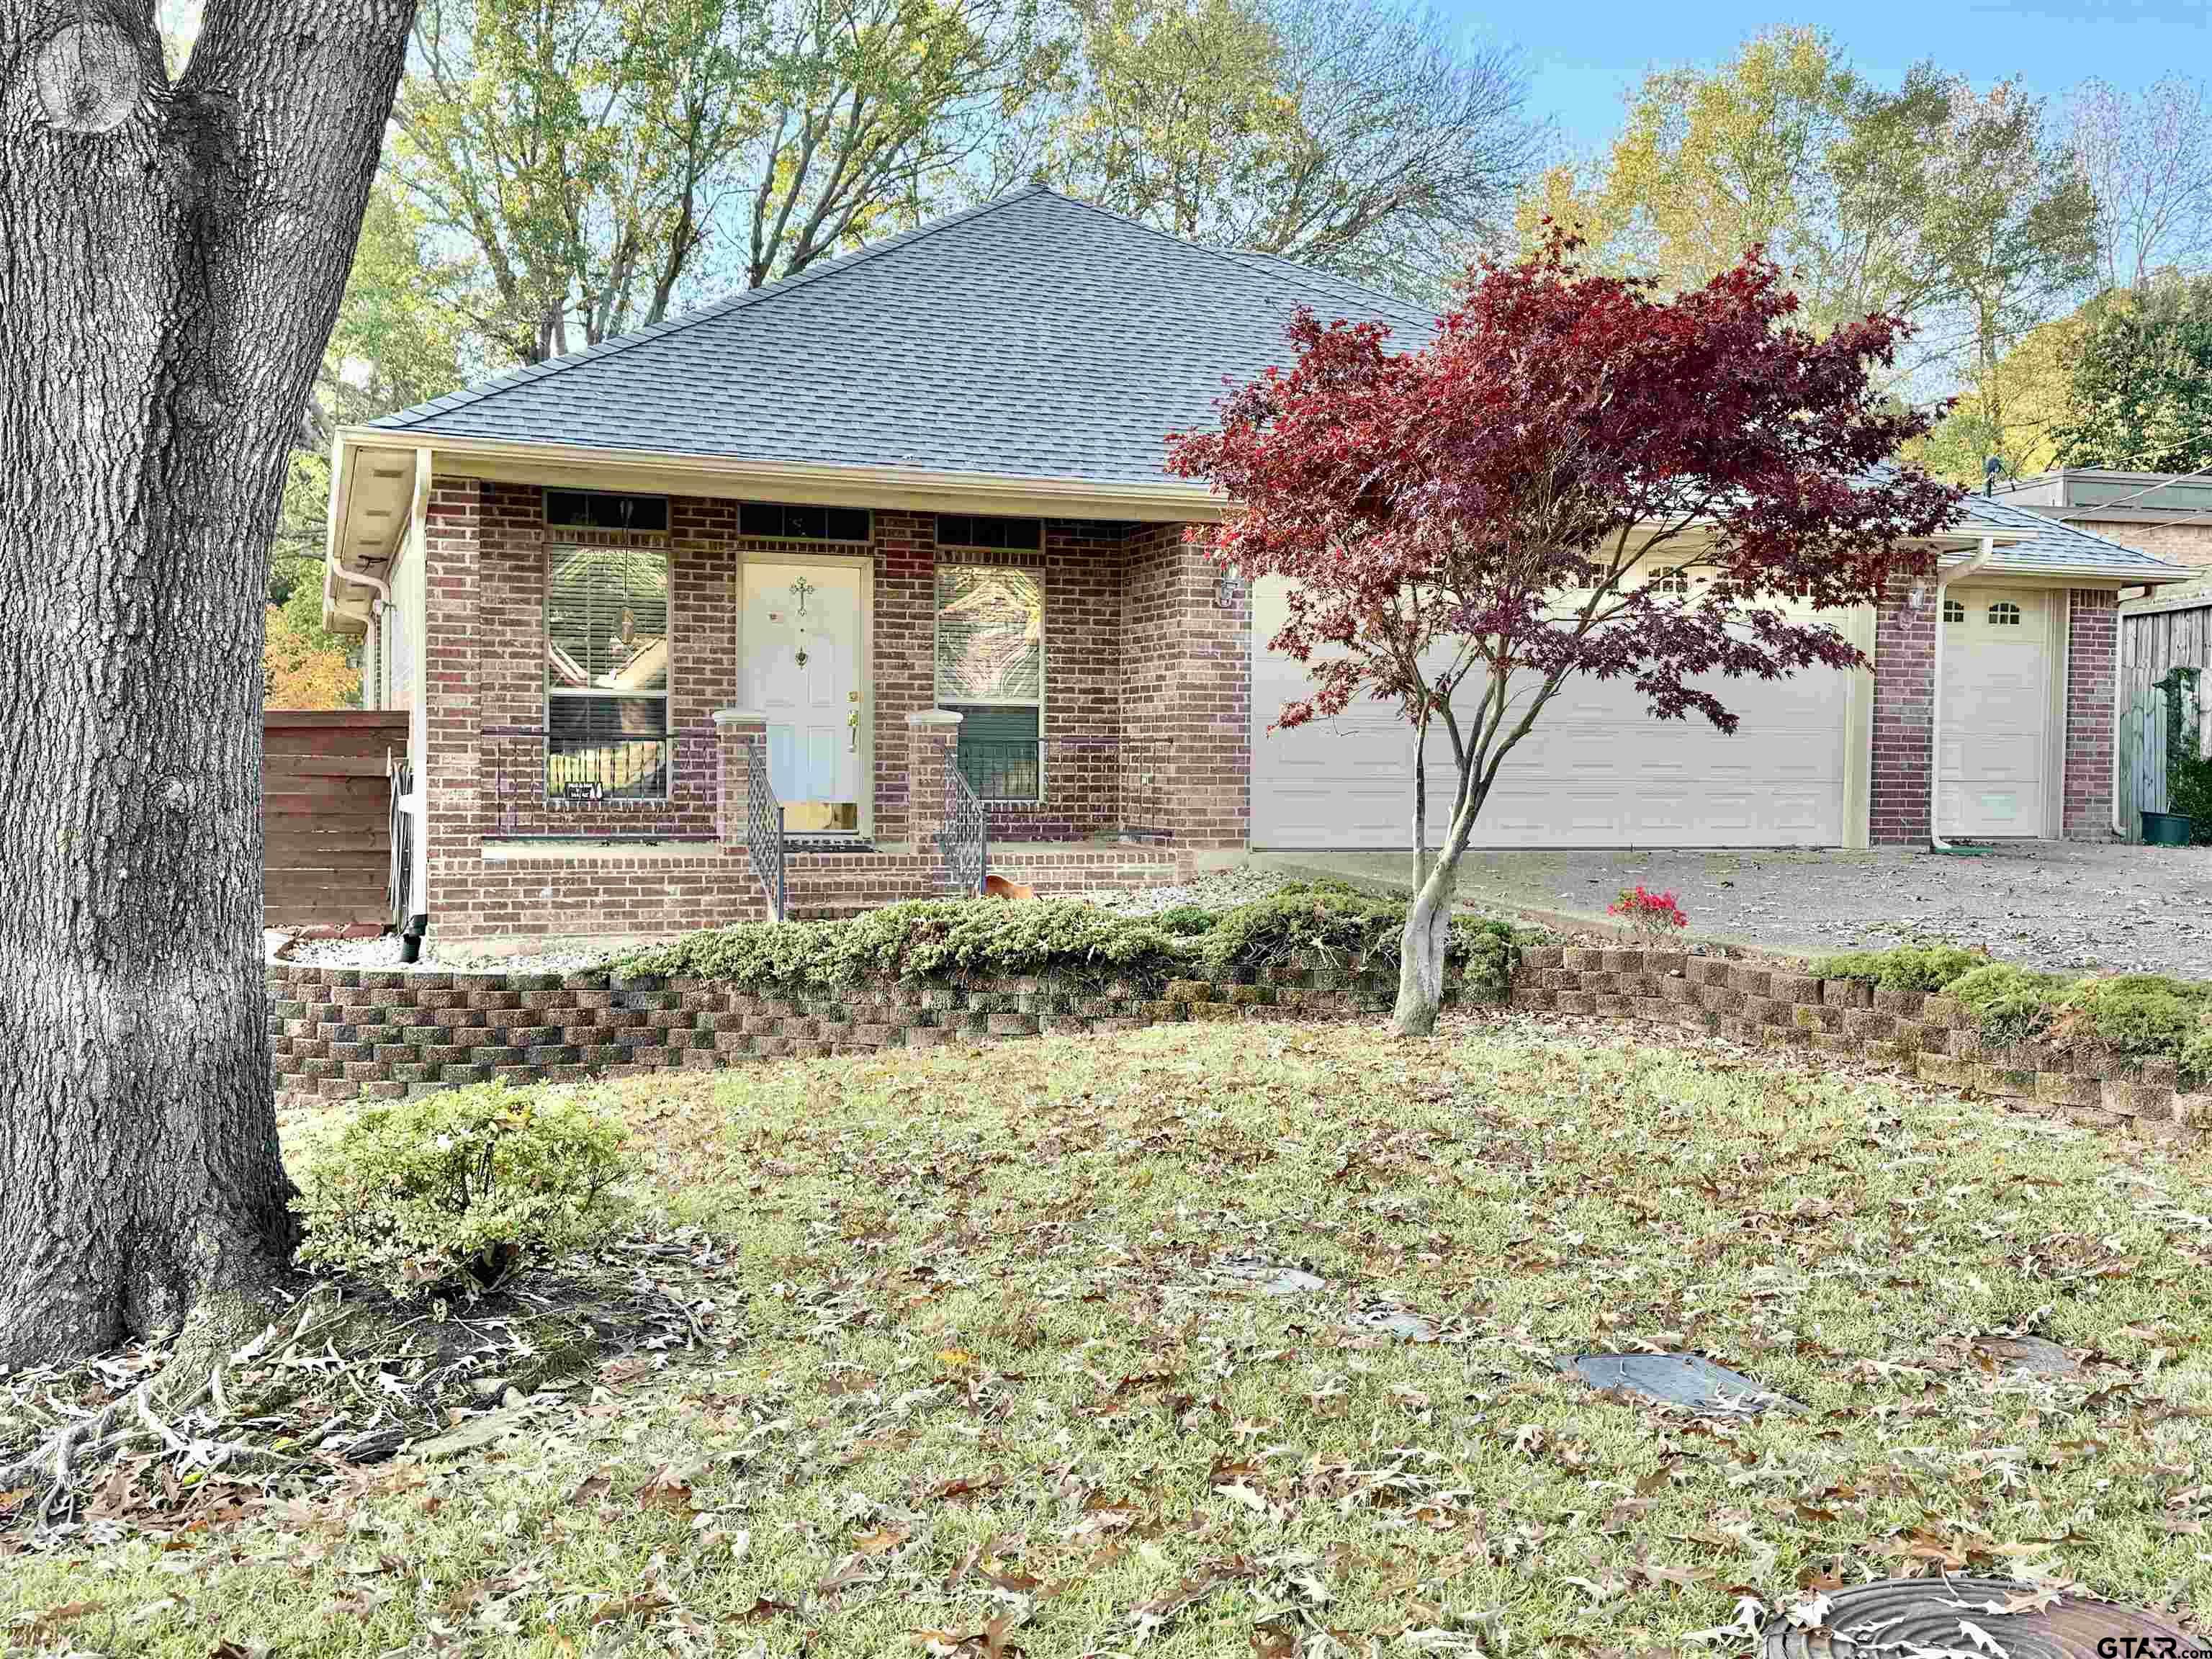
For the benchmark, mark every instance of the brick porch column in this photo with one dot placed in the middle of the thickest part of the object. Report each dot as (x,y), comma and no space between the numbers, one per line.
(739,734)
(932,737)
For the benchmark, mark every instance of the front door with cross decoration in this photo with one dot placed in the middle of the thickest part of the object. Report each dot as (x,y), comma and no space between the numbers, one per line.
(803,648)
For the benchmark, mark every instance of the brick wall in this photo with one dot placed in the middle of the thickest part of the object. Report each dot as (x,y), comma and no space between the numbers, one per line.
(453,717)
(485,581)
(526,888)
(1904,705)
(2092,649)
(1186,676)
(1144,717)
(510,644)
(337,1033)
(2180,543)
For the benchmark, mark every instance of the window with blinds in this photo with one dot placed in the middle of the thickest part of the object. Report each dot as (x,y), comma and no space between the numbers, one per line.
(990,671)
(606,673)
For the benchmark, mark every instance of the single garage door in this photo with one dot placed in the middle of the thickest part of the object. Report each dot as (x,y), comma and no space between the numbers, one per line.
(1998,656)
(1597,771)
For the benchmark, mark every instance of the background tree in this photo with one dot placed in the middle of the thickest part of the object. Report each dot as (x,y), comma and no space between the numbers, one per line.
(2147,159)
(1785,147)
(1470,526)
(176,251)
(396,342)
(2010,224)
(2036,396)
(2139,380)
(1359,137)
(598,162)
(303,664)
(573,147)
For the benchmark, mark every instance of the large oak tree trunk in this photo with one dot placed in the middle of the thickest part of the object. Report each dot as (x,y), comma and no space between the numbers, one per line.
(171,259)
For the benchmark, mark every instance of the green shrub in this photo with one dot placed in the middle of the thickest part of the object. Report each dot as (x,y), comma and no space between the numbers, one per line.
(939,937)
(2140,1015)
(1185,920)
(457,1192)
(1928,967)
(956,938)
(1338,922)
(1489,953)
(2195,1058)
(2010,1004)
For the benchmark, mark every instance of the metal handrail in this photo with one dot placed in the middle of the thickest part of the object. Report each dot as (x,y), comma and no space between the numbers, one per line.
(764,832)
(966,840)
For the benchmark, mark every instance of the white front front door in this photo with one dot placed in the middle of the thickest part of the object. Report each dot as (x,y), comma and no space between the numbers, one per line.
(803,647)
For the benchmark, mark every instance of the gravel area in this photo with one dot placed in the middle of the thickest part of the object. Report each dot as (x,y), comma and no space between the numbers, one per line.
(1222,890)
(2057,905)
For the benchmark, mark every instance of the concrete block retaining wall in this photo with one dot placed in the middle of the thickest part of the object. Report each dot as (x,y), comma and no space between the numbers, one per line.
(337,1033)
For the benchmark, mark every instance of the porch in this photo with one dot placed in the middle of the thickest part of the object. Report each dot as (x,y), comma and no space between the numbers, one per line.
(639,731)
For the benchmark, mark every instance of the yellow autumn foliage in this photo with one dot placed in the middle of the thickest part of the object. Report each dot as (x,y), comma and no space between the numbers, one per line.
(301,670)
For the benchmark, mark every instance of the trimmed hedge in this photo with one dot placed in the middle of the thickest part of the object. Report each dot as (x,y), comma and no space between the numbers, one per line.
(2140,1016)
(959,939)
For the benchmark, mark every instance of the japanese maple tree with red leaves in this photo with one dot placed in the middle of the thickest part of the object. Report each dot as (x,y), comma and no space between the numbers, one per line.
(1467,525)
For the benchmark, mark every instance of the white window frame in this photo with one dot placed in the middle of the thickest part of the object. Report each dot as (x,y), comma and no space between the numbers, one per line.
(554,549)
(982,558)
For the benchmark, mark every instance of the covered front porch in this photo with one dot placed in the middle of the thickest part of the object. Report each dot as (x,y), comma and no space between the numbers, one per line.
(645,713)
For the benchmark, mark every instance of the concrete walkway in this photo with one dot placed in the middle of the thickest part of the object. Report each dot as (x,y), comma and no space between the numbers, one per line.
(2046,904)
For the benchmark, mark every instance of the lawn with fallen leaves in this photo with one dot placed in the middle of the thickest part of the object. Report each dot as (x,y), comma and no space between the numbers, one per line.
(994,1363)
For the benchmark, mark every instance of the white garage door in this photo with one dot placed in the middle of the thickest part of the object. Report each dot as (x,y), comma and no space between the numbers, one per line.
(1597,771)
(1997,657)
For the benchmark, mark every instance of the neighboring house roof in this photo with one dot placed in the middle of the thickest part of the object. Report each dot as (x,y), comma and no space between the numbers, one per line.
(1034,337)
(2100,494)
(2049,546)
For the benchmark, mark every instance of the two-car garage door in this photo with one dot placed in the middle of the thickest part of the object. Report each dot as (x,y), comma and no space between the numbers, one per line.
(1596,771)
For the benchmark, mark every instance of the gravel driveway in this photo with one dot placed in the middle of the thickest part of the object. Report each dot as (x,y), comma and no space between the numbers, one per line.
(2048,904)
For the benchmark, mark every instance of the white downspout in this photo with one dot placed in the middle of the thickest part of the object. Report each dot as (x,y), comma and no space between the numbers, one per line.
(1936,697)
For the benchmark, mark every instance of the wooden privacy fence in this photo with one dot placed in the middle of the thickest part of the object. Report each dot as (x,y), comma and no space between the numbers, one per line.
(2154,643)
(326,814)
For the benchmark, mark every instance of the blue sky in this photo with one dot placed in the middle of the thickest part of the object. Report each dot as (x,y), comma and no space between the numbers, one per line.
(1580,57)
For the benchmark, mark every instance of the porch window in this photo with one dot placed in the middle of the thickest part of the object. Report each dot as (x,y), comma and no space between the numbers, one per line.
(990,671)
(606,673)
(774,522)
(976,529)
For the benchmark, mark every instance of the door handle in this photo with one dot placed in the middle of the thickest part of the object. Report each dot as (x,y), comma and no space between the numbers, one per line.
(853,732)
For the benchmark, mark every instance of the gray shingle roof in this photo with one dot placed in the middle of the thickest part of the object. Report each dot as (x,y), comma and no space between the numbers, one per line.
(1034,337)
(2051,545)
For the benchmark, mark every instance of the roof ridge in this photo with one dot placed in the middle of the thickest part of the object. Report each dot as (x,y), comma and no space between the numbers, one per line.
(403,419)
(1307,275)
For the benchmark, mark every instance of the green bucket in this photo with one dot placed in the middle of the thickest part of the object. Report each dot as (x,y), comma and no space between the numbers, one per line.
(2166,829)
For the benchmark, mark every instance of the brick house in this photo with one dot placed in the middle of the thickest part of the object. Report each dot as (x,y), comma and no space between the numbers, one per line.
(890,539)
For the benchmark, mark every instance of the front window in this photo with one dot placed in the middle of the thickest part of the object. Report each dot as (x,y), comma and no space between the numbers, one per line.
(606,673)
(990,671)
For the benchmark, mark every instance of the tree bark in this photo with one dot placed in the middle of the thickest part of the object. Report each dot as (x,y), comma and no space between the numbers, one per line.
(171,258)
